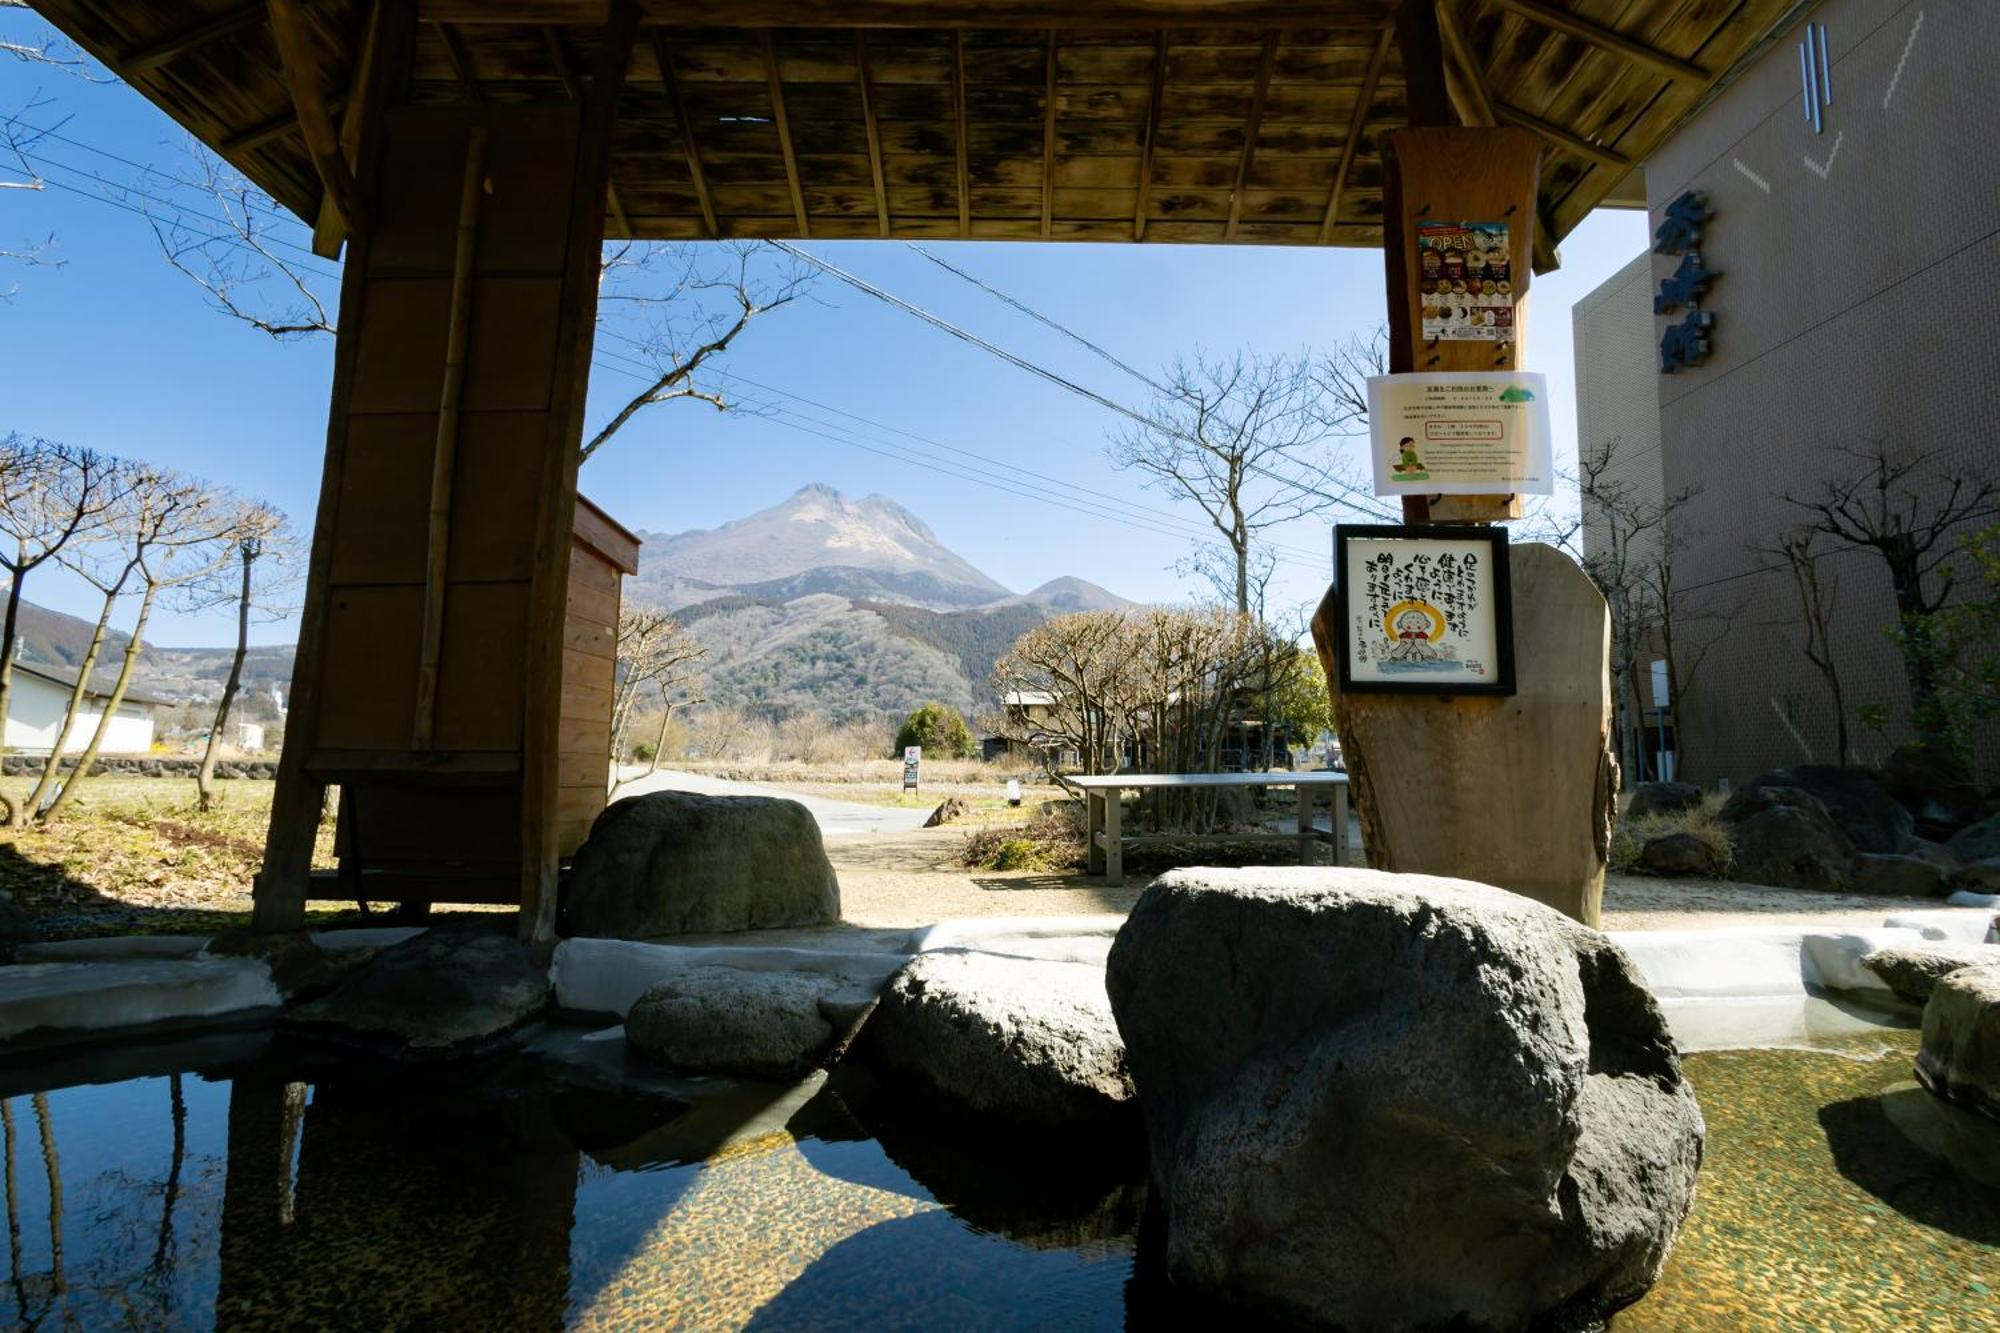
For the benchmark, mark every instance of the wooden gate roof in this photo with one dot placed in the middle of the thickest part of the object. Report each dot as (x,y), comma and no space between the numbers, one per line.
(1152,120)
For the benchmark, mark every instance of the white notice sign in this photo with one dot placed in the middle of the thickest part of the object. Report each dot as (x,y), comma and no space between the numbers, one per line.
(1461,434)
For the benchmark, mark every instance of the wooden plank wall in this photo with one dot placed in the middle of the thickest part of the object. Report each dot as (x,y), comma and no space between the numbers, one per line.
(590,648)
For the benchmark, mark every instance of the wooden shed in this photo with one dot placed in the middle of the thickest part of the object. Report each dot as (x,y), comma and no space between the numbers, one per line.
(406,837)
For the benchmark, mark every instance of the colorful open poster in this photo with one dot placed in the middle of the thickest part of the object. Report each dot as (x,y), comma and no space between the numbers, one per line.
(1461,433)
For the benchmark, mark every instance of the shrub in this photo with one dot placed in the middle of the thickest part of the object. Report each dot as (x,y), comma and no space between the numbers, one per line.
(940,729)
(1051,840)
(1630,836)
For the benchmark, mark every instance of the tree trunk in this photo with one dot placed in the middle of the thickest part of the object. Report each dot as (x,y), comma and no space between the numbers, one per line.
(204,777)
(8,634)
(660,744)
(26,814)
(1906,577)
(111,706)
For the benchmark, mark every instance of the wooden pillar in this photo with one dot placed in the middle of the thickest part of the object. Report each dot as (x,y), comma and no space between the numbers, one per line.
(430,652)
(1508,791)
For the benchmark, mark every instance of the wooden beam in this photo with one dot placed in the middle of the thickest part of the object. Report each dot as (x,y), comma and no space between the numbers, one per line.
(1423,63)
(253,137)
(154,54)
(1152,133)
(288,28)
(555,516)
(1357,125)
(1049,137)
(1475,103)
(777,86)
(1606,39)
(1251,126)
(444,455)
(874,129)
(665,59)
(1320,15)
(460,60)
(552,38)
(958,123)
(1561,137)
(329,230)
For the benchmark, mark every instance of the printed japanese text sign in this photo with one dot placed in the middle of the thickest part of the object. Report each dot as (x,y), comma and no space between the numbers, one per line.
(1424,610)
(1461,433)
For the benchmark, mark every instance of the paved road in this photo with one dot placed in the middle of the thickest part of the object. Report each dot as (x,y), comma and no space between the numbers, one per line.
(835,818)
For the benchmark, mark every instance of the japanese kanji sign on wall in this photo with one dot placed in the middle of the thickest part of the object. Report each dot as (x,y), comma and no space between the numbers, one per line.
(1424,610)
(1461,434)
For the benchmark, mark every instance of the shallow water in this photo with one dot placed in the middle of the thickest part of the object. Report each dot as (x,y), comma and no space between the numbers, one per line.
(260,1196)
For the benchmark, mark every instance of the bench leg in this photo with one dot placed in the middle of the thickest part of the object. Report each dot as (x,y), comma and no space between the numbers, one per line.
(1093,824)
(1340,825)
(1306,838)
(1114,847)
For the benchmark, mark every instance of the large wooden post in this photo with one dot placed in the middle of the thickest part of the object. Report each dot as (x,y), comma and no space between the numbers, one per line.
(1513,791)
(430,649)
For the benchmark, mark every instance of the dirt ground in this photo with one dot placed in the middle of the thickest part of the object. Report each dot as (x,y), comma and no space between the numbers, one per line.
(911,879)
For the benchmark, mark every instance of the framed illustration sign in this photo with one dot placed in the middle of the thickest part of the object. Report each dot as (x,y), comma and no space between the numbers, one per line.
(1423,610)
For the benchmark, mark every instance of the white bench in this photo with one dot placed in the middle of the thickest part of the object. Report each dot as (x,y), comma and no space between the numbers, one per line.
(1107,839)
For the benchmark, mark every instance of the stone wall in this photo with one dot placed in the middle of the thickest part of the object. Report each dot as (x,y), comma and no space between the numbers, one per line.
(144,766)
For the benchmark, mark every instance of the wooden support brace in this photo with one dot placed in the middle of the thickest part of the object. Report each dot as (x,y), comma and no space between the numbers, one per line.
(1607,39)
(873,128)
(665,58)
(330,229)
(152,56)
(1152,134)
(1251,126)
(959,129)
(444,458)
(1049,137)
(1357,125)
(288,29)
(777,85)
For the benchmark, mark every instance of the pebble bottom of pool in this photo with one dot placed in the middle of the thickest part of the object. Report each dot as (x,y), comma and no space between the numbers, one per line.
(1835,1195)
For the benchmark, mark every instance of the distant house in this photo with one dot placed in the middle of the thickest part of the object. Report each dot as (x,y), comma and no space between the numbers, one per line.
(35,710)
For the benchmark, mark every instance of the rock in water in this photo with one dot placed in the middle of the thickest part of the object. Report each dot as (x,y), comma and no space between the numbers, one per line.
(1912,974)
(1398,1101)
(1023,1041)
(444,993)
(673,863)
(1960,1056)
(756,1024)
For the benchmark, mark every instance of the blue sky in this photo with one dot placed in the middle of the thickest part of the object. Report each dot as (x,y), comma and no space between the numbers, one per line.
(116,351)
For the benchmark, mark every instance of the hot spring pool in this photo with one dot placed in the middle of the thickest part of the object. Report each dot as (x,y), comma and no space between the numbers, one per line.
(257,1195)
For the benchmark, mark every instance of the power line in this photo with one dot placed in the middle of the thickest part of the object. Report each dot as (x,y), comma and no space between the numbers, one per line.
(1042,372)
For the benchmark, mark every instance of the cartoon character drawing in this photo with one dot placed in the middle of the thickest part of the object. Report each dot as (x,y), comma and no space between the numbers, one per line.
(1415,631)
(1409,467)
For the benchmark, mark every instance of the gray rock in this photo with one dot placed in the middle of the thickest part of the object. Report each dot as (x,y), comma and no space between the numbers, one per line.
(1783,836)
(1935,787)
(442,994)
(1397,1101)
(1979,877)
(1912,973)
(1679,854)
(1934,852)
(755,1024)
(673,863)
(1659,798)
(1895,876)
(1977,842)
(1854,798)
(1960,1056)
(1023,1041)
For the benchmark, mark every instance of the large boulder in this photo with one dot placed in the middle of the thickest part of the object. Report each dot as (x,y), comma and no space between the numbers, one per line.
(1935,787)
(1680,855)
(1783,836)
(1979,877)
(1024,1042)
(1960,1055)
(1977,842)
(442,994)
(1398,1101)
(673,863)
(1854,798)
(1659,798)
(1913,973)
(1896,876)
(752,1023)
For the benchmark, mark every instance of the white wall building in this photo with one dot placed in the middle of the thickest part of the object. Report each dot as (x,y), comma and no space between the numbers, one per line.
(35,709)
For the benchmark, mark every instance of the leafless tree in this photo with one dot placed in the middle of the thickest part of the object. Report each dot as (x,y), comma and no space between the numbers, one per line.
(264,553)
(1908,514)
(656,654)
(1232,436)
(677,309)
(51,495)
(1798,553)
(176,555)
(1066,684)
